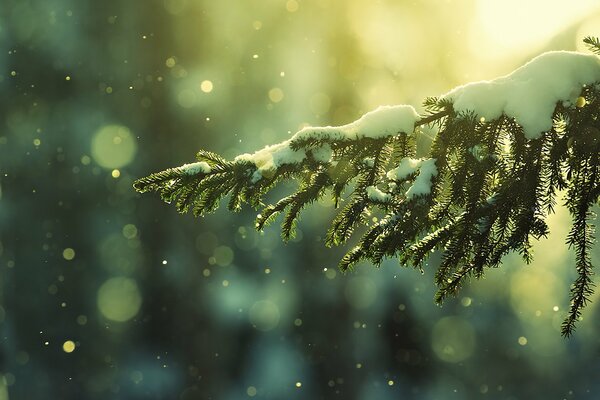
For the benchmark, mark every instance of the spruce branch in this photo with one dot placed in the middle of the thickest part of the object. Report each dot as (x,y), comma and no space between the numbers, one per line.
(503,151)
(593,44)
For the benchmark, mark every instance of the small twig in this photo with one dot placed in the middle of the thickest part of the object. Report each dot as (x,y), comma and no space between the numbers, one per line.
(431,118)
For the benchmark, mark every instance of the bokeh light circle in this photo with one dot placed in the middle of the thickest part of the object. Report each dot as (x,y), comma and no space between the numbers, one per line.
(264,315)
(68,346)
(119,299)
(453,339)
(113,146)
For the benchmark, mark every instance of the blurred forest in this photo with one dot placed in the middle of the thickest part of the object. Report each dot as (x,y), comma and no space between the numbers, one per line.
(106,294)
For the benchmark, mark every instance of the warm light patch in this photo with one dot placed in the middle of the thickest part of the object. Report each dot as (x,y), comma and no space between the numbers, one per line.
(113,146)
(292,6)
(206,86)
(68,254)
(119,299)
(522,340)
(515,24)
(588,28)
(68,346)
(170,62)
(276,95)
(320,103)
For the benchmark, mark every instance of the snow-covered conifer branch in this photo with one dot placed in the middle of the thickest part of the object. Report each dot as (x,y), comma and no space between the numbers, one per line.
(503,150)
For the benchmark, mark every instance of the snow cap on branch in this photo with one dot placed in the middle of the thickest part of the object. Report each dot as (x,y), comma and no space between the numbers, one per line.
(422,184)
(196,168)
(530,93)
(409,166)
(272,157)
(380,123)
(377,195)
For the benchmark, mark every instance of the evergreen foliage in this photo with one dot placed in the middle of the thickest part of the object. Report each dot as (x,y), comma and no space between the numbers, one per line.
(491,193)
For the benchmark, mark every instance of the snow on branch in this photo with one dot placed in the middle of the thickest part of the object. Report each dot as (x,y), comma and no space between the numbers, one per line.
(409,166)
(530,93)
(503,150)
(383,122)
(380,123)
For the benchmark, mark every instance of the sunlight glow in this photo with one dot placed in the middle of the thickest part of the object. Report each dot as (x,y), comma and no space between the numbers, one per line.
(516,24)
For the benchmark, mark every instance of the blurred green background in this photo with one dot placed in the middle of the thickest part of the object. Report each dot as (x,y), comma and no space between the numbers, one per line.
(106,294)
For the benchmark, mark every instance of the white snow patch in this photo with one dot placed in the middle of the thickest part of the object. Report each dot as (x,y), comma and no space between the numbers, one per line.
(529,94)
(195,168)
(375,194)
(422,184)
(322,153)
(272,157)
(382,122)
(409,166)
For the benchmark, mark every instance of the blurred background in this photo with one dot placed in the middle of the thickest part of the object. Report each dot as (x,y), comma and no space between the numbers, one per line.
(106,294)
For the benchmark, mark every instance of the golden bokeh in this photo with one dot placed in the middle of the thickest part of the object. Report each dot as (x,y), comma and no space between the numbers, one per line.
(206,86)
(68,346)
(68,254)
(119,299)
(113,146)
